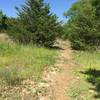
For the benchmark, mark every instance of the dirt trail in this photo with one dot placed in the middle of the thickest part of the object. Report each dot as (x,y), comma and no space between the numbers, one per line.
(58,78)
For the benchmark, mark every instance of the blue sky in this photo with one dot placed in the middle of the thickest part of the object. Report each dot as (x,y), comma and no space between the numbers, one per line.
(57,6)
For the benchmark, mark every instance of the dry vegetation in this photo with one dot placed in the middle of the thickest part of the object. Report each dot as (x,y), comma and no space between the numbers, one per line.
(21,66)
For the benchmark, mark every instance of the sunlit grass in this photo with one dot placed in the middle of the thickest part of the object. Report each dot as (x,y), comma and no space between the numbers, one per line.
(88,59)
(30,59)
(88,69)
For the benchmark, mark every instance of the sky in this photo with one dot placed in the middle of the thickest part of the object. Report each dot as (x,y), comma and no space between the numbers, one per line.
(57,6)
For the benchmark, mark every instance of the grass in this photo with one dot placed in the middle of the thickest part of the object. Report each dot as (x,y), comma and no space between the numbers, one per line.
(24,61)
(88,59)
(21,66)
(89,72)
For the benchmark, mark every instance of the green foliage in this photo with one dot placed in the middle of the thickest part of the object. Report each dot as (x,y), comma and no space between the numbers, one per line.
(82,28)
(36,24)
(3,25)
(17,31)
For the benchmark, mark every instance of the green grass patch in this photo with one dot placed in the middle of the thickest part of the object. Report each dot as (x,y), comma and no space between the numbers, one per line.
(24,61)
(88,59)
(89,73)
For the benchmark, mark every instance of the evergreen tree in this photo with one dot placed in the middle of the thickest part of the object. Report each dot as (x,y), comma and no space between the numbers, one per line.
(82,26)
(40,25)
(3,25)
(1,15)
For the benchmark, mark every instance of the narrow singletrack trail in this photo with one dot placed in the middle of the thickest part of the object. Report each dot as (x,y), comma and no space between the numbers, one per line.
(58,78)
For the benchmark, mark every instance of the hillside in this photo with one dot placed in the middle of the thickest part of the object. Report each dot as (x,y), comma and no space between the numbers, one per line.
(50,50)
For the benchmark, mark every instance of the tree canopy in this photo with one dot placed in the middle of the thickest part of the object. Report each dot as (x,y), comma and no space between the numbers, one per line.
(83,25)
(37,24)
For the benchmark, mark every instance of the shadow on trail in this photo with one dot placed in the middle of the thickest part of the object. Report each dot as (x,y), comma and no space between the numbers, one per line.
(93,77)
(56,48)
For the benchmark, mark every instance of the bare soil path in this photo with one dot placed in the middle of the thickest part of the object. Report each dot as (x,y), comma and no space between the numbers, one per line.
(58,78)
